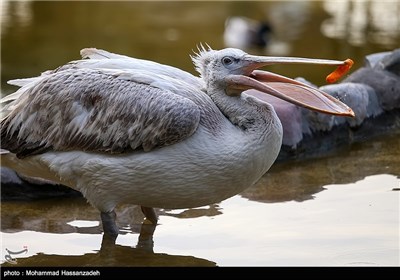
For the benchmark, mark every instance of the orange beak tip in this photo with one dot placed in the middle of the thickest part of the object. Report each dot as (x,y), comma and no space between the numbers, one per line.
(339,71)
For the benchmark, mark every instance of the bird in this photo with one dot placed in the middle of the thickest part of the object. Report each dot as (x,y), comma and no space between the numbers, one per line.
(126,130)
(243,32)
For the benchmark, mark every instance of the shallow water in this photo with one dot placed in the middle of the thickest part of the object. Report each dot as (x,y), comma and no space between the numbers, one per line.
(340,210)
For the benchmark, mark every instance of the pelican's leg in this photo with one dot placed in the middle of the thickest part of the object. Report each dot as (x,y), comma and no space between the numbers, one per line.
(109,226)
(145,241)
(150,214)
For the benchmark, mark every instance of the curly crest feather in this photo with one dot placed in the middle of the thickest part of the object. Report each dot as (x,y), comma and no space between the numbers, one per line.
(202,57)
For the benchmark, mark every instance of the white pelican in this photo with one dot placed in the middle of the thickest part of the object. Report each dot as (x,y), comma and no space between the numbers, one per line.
(124,130)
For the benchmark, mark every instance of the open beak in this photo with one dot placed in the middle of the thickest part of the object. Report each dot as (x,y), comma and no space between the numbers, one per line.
(285,88)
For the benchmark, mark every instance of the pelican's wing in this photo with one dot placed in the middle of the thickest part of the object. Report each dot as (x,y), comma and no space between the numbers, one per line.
(101,59)
(99,110)
(93,53)
(97,58)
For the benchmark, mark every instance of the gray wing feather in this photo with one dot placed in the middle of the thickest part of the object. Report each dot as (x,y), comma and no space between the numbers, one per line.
(98,110)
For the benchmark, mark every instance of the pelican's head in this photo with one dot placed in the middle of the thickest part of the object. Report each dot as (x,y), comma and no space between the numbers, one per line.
(234,71)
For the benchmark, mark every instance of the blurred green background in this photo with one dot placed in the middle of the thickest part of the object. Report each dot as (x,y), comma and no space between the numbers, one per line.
(41,35)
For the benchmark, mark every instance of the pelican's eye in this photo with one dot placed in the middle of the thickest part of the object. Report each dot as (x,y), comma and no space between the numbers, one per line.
(227,60)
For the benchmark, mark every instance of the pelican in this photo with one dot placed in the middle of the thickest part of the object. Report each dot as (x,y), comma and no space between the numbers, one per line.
(125,130)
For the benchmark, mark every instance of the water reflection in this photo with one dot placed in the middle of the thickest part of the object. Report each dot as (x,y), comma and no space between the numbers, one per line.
(109,254)
(54,237)
(300,180)
(358,22)
(209,211)
(16,12)
(60,216)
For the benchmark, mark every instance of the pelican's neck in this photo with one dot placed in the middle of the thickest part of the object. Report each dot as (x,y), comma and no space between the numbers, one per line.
(246,112)
(258,127)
